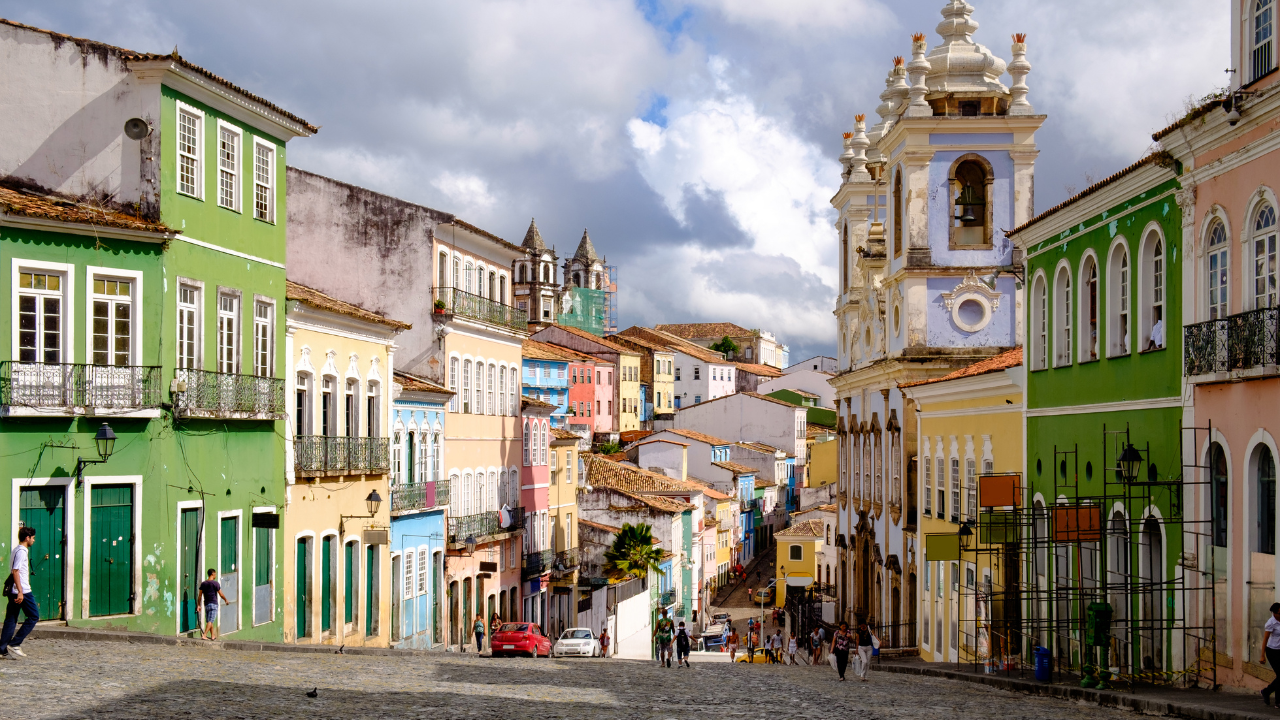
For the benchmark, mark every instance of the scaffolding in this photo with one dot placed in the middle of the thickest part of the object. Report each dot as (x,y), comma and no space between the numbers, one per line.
(1105,577)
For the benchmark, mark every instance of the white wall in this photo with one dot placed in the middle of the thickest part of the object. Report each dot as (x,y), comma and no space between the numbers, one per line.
(812,381)
(741,417)
(634,631)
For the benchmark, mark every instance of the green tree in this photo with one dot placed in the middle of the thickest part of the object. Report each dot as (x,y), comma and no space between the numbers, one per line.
(608,448)
(633,553)
(727,346)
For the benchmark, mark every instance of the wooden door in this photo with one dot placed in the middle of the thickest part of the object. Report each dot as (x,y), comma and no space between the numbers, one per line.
(229,574)
(326,584)
(111,550)
(41,508)
(189,567)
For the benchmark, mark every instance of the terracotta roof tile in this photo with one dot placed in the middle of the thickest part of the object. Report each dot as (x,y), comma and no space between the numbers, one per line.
(761,370)
(759,447)
(599,526)
(757,396)
(528,402)
(603,472)
(812,528)
(642,342)
(812,430)
(714,330)
(534,350)
(613,346)
(562,434)
(700,437)
(657,502)
(414,383)
(1003,361)
(44,205)
(626,437)
(707,490)
(830,507)
(762,484)
(320,301)
(675,343)
(736,468)
(1209,106)
(804,393)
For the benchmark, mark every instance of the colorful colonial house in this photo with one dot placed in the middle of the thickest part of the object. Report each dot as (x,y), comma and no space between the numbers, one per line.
(547,376)
(1103,422)
(657,379)
(337,510)
(564,480)
(146,291)
(539,544)
(961,605)
(1229,202)
(419,498)
(617,387)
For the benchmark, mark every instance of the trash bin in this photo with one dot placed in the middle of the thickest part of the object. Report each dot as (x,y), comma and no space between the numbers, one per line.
(1044,660)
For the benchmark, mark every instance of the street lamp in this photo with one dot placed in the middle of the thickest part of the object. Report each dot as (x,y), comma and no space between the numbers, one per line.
(966,536)
(471,544)
(1130,461)
(373,501)
(105,439)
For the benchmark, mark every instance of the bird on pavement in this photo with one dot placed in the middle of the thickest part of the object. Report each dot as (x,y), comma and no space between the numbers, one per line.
(315,692)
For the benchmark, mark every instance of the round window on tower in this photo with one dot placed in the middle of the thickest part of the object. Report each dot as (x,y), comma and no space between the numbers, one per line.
(971,312)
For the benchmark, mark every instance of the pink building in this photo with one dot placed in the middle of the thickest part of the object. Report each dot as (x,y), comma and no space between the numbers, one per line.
(539,543)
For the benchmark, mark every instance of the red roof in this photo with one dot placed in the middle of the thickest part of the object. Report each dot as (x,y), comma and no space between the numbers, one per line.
(1003,361)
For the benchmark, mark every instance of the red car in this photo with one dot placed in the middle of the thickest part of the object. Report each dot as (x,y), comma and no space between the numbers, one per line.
(520,638)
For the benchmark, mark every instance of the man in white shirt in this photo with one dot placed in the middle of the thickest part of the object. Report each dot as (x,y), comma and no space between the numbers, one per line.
(1271,652)
(20,597)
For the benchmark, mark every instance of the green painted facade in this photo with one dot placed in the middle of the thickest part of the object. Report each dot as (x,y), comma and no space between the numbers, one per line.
(1078,408)
(120,561)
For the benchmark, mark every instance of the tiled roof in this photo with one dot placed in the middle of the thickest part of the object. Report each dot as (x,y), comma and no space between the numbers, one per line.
(675,343)
(613,346)
(642,342)
(759,447)
(626,437)
(661,440)
(37,205)
(758,369)
(485,234)
(1153,158)
(812,528)
(804,393)
(130,55)
(700,437)
(657,502)
(707,490)
(714,330)
(320,301)
(761,483)
(710,522)
(599,526)
(830,507)
(414,383)
(562,434)
(736,468)
(1206,108)
(1003,361)
(814,430)
(528,402)
(602,472)
(534,350)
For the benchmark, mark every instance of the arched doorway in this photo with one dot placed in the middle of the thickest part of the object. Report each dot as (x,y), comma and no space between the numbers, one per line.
(1151,575)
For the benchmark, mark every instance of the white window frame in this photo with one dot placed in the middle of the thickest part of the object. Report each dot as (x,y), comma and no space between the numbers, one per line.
(269,187)
(268,325)
(1039,322)
(1259,272)
(197,316)
(1147,287)
(1063,313)
(1251,34)
(136,325)
(455,369)
(235,316)
(198,158)
(67,271)
(1217,278)
(1119,299)
(235,169)
(1089,347)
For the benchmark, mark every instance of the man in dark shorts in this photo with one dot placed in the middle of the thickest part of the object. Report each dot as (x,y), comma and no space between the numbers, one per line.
(683,643)
(663,634)
(210,591)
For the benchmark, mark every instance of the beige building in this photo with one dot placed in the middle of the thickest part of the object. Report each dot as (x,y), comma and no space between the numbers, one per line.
(657,378)
(337,506)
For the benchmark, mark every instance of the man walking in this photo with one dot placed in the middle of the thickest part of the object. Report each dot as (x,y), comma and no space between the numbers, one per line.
(18,592)
(682,646)
(663,634)
(1270,651)
(210,591)
(604,642)
(775,646)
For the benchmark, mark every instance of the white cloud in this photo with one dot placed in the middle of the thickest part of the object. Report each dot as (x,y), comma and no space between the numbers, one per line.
(468,193)
(794,15)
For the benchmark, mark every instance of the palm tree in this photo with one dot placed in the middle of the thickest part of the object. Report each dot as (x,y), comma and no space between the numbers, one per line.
(633,553)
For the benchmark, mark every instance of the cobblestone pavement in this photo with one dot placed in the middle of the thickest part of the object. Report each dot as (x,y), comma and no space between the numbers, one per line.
(70,679)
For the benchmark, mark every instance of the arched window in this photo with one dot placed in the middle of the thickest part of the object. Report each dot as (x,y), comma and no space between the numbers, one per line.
(437,469)
(479,281)
(468,495)
(1263,38)
(453,384)
(493,286)
(502,390)
(1062,318)
(1151,310)
(1219,497)
(478,406)
(502,289)
(542,272)
(1219,271)
(520,272)
(455,494)
(1266,474)
(971,179)
(397,458)
(466,386)
(1039,324)
(526,443)
(1089,309)
(577,279)
(1264,258)
(491,493)
(899,217)
(940,480)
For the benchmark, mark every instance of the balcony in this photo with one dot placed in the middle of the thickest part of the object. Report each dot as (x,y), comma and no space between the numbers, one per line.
(1236,343)
(204,394)
(473,307)
(482,525)
(537,563)
(406,499)
(68,388)
(667,598)
(750,505)
(322,456)
(566,561)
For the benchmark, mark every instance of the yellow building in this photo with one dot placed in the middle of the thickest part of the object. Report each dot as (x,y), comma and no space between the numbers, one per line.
(970,466)
(799,555)
(629,410)
(337,511)
(823,453)
(564,479)
(657,376)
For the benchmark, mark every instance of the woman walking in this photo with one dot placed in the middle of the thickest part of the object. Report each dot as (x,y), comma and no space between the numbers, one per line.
(478,629)
(840,648)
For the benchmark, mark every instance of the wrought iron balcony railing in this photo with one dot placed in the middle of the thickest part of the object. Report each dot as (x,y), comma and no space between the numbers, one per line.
(566,560)
(667,597)
(1238,342)
(318,455)
(200,393)
(537,563)
(475,307)
(483,525)
(49,386)
(418,496)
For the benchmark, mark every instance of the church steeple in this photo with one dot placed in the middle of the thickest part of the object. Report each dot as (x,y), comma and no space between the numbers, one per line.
(533,238)
(586,251)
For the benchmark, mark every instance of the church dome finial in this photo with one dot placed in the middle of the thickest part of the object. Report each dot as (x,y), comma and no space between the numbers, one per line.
(533,238)
(959,64)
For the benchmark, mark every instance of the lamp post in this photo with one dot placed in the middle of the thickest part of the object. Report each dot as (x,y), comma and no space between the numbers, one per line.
(373,501)
(1130,461)
(105,439)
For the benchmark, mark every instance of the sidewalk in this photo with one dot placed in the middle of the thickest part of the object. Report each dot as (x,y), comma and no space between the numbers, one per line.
(1190,703)
(62,632)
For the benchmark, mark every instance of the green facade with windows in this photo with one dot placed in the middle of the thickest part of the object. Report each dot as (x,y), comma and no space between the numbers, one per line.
(1104,359)
(176,341)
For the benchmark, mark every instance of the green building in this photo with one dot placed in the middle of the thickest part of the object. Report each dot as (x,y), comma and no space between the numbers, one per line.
(1102,525)
(142,234)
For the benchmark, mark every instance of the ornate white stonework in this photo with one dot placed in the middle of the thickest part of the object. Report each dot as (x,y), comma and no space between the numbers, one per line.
(971,290)
(959,64)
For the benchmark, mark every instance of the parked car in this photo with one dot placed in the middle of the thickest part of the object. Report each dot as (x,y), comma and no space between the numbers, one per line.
(576,641)
(715,637)
(520,638)
(764,595)
(721,618)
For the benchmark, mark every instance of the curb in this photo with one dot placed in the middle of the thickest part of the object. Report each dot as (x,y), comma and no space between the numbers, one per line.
(90,635)
(1103,698)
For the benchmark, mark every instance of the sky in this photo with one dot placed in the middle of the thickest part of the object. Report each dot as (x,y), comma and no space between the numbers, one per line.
(697,140)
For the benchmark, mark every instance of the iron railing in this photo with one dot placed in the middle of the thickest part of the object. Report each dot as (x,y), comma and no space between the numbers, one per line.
(537,563)
(217,394)
(1238,342)
(72,385)
(418,496)
(475,307)
(323,454)
(566,560)
(483,524)
(666,598)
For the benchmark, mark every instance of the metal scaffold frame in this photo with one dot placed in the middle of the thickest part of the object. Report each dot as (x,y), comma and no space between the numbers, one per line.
(1106,578)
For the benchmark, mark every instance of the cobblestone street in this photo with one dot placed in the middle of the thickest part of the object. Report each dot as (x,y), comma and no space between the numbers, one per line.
(66,679)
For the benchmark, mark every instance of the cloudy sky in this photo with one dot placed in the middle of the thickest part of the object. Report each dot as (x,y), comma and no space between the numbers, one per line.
(696,139)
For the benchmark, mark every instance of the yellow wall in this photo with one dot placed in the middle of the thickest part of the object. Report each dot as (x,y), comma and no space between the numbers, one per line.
(629,390)
(822,463)
(806,565)
(664,382)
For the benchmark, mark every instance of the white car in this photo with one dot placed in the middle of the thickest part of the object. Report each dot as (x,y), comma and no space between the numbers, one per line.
(579,642)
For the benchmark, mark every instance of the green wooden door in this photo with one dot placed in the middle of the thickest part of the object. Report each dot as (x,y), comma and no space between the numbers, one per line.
(263,564)
(41,508)
(303,590)
(369,609)
(326,584)
(189,566)
(348,582)
(111,550)
(229,574)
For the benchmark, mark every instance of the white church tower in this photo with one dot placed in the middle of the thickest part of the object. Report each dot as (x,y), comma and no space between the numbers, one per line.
(927,194)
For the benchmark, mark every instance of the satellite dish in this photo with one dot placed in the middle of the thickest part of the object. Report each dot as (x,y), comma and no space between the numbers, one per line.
(136,128)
